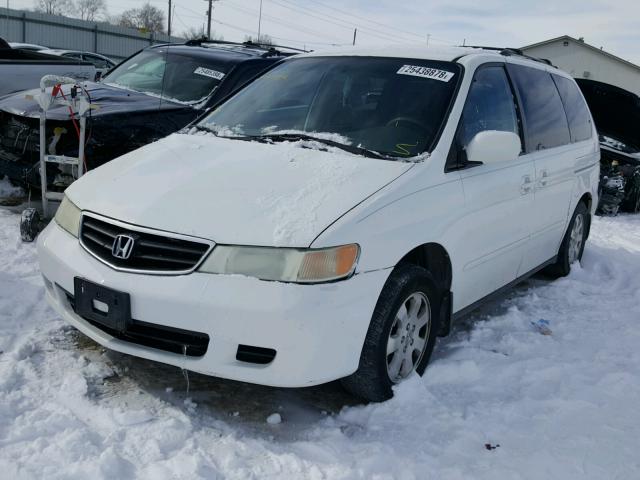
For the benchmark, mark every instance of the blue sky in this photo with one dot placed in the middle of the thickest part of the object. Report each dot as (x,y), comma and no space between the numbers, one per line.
(316,24)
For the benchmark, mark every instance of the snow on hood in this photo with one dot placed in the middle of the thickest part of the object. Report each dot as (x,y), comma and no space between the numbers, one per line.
(233,191)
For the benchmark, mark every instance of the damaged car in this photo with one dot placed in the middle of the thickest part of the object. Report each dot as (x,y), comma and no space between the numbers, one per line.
(153,93)
(616,113)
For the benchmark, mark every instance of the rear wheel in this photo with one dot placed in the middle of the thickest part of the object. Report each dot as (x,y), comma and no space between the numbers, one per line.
(573,242)
(401,335)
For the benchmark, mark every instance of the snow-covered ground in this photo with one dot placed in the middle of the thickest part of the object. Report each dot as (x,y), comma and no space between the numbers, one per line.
(8,191)
(561,400)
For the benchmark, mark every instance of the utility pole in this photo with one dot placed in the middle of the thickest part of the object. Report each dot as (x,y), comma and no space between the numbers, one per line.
(428,38)
(259,22)
(169,22)
(355,32)
(209,20)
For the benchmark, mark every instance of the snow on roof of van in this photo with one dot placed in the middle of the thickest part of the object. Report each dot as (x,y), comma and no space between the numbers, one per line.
(419,51)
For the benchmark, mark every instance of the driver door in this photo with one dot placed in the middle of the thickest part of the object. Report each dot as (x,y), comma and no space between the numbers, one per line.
(498,197)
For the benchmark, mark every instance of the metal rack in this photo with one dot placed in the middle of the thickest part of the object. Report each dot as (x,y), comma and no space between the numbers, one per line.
(79,105)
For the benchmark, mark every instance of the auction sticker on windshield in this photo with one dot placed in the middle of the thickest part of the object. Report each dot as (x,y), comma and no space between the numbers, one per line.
(426,72)
(207,72)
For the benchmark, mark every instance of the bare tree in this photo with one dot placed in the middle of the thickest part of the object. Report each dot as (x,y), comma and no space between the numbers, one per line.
(91,10)
(262,40)
(147,17)
(53,7)
(193,33)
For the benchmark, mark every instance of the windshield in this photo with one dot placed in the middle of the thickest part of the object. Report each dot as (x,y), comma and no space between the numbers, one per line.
(168,74)
(392,106)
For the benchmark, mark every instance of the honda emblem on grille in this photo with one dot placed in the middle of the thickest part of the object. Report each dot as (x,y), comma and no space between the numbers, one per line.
(123,246)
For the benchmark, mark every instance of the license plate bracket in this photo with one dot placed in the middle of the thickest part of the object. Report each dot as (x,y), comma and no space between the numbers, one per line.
(103,305)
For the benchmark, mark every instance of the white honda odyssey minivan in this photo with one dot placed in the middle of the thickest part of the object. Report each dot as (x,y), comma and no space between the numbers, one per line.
(332,218)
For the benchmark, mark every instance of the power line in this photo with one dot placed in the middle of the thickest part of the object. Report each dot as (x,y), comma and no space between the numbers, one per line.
(244,30)
(359,17)
(338,22)
(352,24)
(284,23)
(202,18)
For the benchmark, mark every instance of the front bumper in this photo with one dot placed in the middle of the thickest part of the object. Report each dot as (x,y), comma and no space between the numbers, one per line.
(317,330)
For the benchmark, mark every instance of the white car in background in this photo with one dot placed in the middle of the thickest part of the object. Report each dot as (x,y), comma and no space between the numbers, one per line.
(103,64)
(27,46)
(332,218)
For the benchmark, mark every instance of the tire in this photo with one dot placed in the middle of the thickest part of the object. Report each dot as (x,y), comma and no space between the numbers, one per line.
(29,225)
(409,288)
(632,203)
(571,252)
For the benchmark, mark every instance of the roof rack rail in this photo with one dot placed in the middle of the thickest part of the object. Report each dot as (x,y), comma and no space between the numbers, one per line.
(508,51)
(270,49)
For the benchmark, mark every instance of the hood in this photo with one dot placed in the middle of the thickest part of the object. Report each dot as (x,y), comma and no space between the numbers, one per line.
(233,191)
(616,113)
(109,99)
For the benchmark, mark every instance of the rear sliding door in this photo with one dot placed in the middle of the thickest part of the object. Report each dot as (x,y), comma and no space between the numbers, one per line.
(548,145)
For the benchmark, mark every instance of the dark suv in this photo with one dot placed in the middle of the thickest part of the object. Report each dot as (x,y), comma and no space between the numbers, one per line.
(151,94)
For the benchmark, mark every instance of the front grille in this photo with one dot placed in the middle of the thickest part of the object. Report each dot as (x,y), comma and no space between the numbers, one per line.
(152,252)
(174,340)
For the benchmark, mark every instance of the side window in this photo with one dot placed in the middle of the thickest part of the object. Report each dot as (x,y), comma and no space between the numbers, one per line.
(576,108)
(97,61)
(490,105)
(546,122)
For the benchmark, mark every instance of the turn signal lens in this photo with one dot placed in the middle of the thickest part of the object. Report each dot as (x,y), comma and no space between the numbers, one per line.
(331,263)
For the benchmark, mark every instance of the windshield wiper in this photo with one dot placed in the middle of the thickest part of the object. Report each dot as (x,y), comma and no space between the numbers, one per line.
(294,137)
(202,128)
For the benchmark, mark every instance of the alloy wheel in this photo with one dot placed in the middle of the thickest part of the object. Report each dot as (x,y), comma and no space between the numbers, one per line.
(576,238)
(408,337)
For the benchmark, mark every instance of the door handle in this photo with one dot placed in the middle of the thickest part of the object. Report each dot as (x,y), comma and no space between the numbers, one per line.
(527,185)
(544,178)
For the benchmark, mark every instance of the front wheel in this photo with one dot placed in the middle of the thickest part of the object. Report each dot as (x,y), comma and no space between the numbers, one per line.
(573,243)
(30,224)
(401,335)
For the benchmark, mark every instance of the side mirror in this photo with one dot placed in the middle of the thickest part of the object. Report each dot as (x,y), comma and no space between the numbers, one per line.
(493,146)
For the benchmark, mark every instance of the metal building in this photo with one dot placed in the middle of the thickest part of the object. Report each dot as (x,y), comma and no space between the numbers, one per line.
(72,34)
(585,61)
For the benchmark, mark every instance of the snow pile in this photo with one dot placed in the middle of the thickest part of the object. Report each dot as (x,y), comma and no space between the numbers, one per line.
(7,190)
(502,399)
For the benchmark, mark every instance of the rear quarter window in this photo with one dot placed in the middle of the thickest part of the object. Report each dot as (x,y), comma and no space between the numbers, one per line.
(576,108)
(545,118)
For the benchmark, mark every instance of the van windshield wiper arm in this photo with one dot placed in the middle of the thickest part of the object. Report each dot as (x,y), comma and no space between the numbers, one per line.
(203,128)
(293,137)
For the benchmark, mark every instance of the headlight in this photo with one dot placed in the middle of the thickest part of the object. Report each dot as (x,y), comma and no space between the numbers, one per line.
(68,217)
(284,264)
